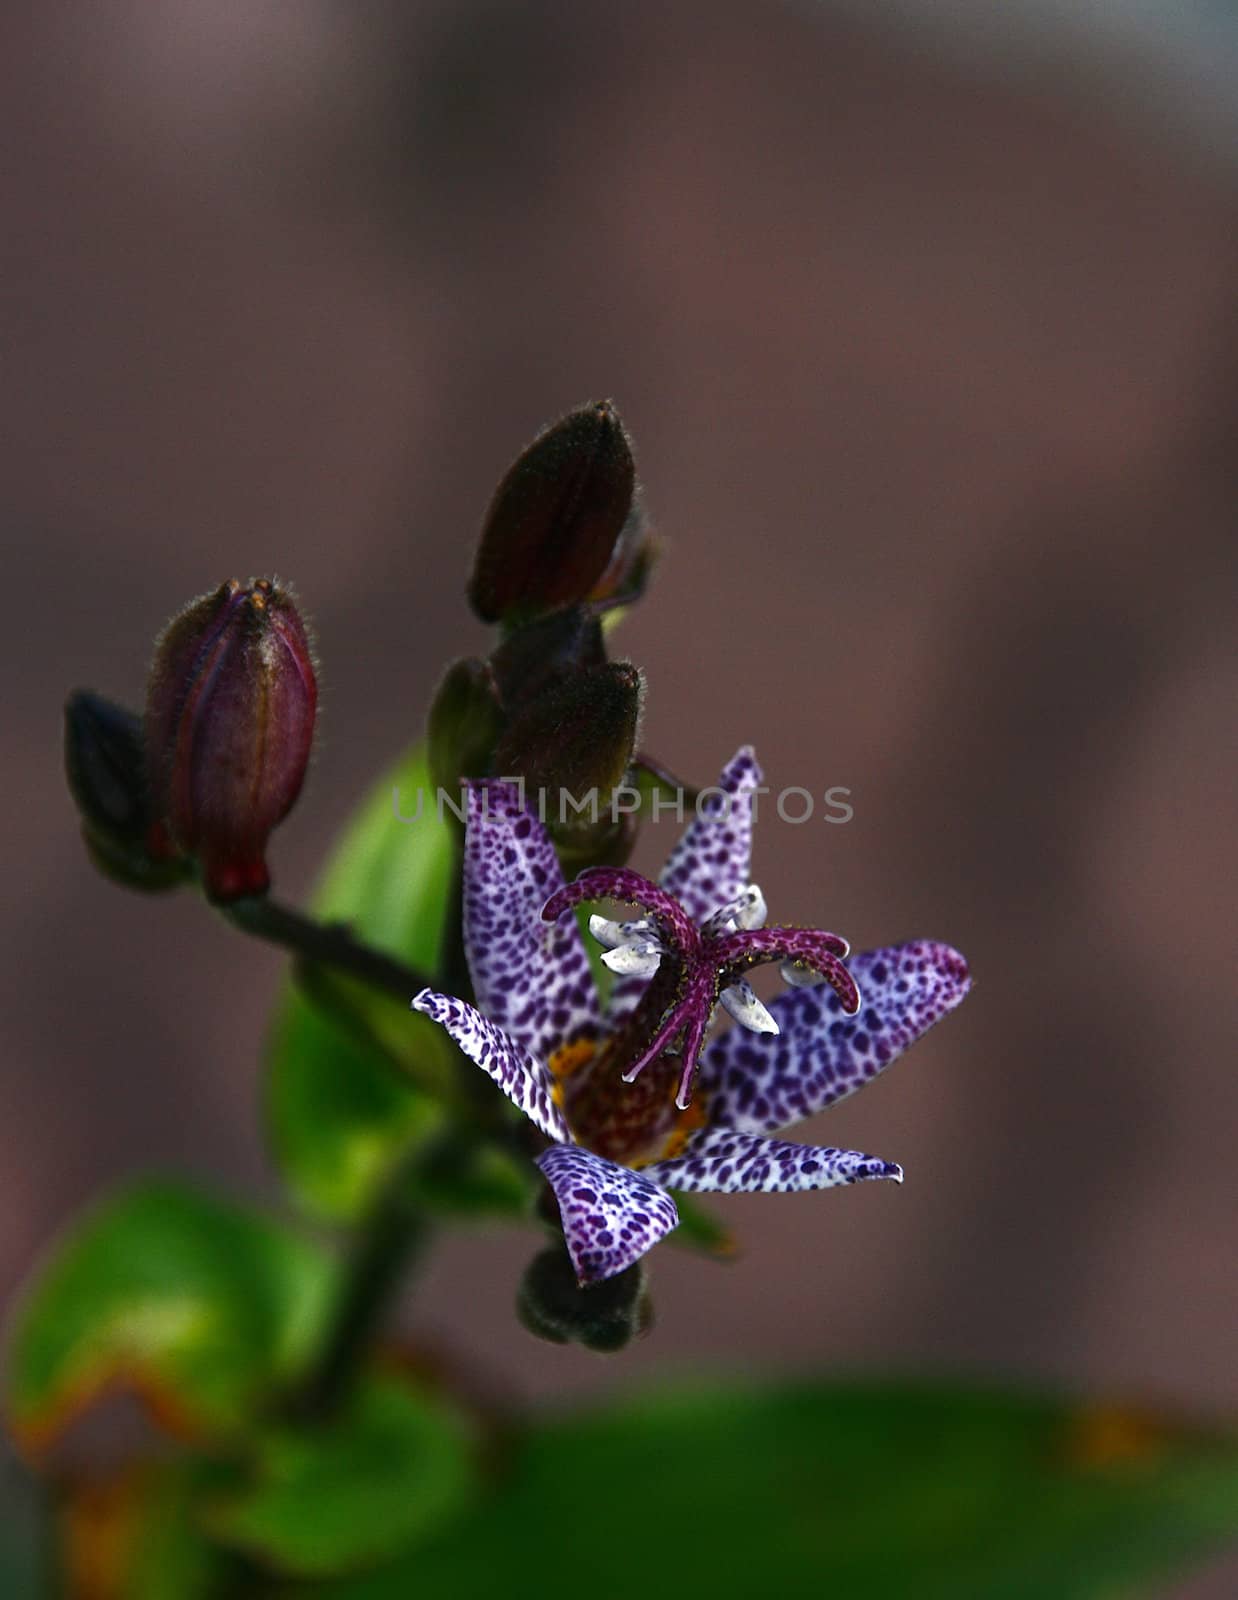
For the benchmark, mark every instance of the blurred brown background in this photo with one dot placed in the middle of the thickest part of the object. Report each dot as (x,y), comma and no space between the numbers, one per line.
(931,364)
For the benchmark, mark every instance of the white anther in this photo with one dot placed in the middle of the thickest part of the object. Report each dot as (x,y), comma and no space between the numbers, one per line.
(613,934)
(741,1001)
(797,975)
(636,960)
(752,910)
(745,912)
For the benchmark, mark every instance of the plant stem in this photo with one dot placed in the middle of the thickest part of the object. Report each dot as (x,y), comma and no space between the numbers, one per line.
(388,1240)
(330,944)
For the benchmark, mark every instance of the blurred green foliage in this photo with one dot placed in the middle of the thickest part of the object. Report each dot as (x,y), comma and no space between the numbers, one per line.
(348,1492)
(901,1491)
(343,1101)
(896,1491)
(200,1306)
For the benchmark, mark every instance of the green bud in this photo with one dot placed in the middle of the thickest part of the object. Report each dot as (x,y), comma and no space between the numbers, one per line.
(464,724)
(604,1317)
(555,526)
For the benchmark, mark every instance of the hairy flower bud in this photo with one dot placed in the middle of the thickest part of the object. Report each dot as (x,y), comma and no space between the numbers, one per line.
(229,724)
(464,724)
(105,764)
(605,1316)
(530,660)
(555,528)
(576,739)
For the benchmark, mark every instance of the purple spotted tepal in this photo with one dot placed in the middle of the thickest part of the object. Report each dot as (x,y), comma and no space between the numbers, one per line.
(633,1105)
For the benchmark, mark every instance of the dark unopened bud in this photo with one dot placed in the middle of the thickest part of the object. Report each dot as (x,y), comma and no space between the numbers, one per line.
(229,724)
(554,528)
(605,1316)
(464,724)
(105,763)
(531,659)
(574,742)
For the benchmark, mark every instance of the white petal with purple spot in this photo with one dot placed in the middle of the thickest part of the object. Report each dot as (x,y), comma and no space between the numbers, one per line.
(530,977)
(757,1085)
(740,1000)
(523,1079)
(745,912)
(636,960)
(613,934)
(611,1215)
(718,1159)
(710,865)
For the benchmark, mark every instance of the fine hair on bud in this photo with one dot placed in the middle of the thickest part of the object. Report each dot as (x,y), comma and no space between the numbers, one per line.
(603,1316)
(230,713)
(576,740)
(557,519)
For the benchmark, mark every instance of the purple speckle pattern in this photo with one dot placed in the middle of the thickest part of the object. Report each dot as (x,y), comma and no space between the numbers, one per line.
(530,977)
(621,883)
(523,1079)
(711,863)
(535,994)
(611,1215)
(757,1083)
(732,1163)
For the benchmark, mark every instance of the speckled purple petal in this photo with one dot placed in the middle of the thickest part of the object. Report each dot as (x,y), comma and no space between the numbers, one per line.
(710,864)
(758,1083)
(524,1080)
(530,977)
(611,1215)
(732,1163)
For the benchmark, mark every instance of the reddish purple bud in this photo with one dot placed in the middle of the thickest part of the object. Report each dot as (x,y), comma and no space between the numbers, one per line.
(555,528)
(229,725)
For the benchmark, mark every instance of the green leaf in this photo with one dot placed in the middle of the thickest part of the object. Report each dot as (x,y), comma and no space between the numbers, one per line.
(199,1305)
(136,1531)
(341,1098)
(812,1489)
(339,1497)
(172,1559)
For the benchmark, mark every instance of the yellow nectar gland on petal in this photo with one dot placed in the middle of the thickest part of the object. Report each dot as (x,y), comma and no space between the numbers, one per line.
(623,1122)
(569,1058)
(565,1062)
(688,1121)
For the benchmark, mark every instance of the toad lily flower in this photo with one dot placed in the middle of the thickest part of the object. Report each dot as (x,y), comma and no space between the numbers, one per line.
(633,1104)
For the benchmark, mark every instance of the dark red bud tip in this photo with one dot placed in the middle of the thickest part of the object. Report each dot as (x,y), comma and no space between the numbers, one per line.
(230,714)
(557,519)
